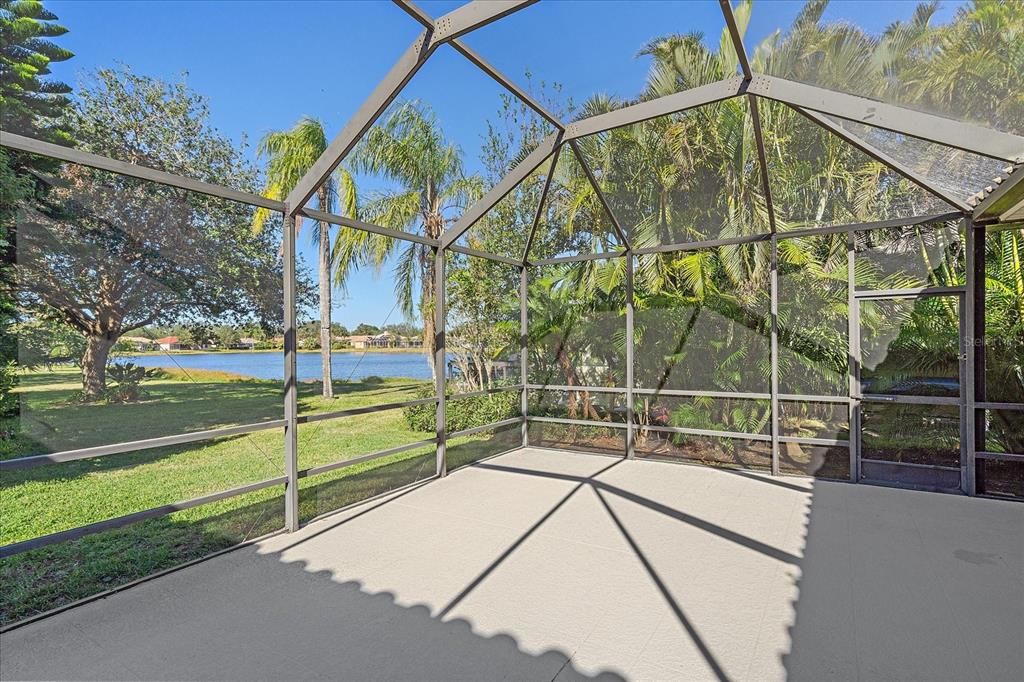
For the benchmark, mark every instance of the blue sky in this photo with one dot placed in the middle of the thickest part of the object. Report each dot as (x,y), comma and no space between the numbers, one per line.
(263,64)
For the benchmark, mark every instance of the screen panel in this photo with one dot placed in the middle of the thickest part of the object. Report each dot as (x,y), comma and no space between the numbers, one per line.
(716,451)
(577,323)
(702,320)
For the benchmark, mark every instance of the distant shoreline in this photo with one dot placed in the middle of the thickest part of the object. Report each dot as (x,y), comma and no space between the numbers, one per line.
(273,350)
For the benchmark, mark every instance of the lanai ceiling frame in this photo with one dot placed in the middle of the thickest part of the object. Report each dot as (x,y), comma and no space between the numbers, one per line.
(816,104)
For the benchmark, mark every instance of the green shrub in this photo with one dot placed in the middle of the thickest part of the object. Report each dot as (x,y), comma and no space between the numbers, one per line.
(464,413)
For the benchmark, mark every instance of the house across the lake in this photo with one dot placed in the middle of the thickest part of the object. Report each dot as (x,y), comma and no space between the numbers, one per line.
(385,340)
(169,343)
(139,343)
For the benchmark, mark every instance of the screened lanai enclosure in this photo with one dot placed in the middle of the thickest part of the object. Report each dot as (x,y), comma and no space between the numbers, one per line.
(449,339)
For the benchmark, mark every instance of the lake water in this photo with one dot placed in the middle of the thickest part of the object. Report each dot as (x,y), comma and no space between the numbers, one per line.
(270,364)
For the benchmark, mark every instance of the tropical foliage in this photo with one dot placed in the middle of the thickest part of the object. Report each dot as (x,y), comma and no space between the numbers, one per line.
(409,150)
(289,155)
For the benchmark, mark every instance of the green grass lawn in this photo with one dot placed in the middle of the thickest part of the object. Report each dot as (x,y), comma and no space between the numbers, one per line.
(52,498)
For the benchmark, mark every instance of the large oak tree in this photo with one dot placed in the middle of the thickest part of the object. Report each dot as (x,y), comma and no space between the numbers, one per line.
(107,253)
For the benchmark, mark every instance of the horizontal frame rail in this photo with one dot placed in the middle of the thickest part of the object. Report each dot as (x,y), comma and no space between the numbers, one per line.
(368,409)
(486,427)
(484,254)
(800,440)
(706,432)
(345,463)
(1003,456)
(999,406)
(704,244)
(867,227)
(575,389)
(907,293)
(582,258)
(909,221)
(486,392)
(342,221)
(71,155)
(800,398)
(661,106)
(910,464)
(702,394)
(575,422)
(133,446)
(909,399)
(135,517)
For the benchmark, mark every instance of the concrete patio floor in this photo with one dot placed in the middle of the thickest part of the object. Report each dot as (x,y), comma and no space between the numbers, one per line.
(542,565)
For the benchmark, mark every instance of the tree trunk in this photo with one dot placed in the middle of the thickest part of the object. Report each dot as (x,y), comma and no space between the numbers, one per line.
(427,304)
(94,365)
(325,308)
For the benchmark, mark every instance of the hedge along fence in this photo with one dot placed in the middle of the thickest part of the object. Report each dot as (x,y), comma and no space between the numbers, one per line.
(462,413)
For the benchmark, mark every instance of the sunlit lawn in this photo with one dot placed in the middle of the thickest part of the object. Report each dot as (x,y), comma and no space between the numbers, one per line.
(57,497)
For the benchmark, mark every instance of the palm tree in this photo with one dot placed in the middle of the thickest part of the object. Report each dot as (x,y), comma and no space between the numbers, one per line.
(290,154)
(410,150)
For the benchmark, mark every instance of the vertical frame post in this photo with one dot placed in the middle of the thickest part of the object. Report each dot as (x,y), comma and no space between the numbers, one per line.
(291,389)
(762,161)
(853,345)
(774,313)
(630,403)
(524,374)
(974,354)
(440,359)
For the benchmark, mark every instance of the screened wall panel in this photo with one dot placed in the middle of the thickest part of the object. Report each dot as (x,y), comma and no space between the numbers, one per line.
(1004,316)
(727,453)
(465,450)
(928,255)
(829,421)
(481,324)
(468,413)
(594,438)
(57,497)
(911,434)
(115,278)
(576,318)
(813,321)
(818,179)
(344,438)
(1002,478)
(324,493)
(911,346)
(702,320)
(737,415)
(381,351)
(690,176)
(1004,431)
(849,58)
(572,219)
(582,404)
(51,577)
(819,461)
